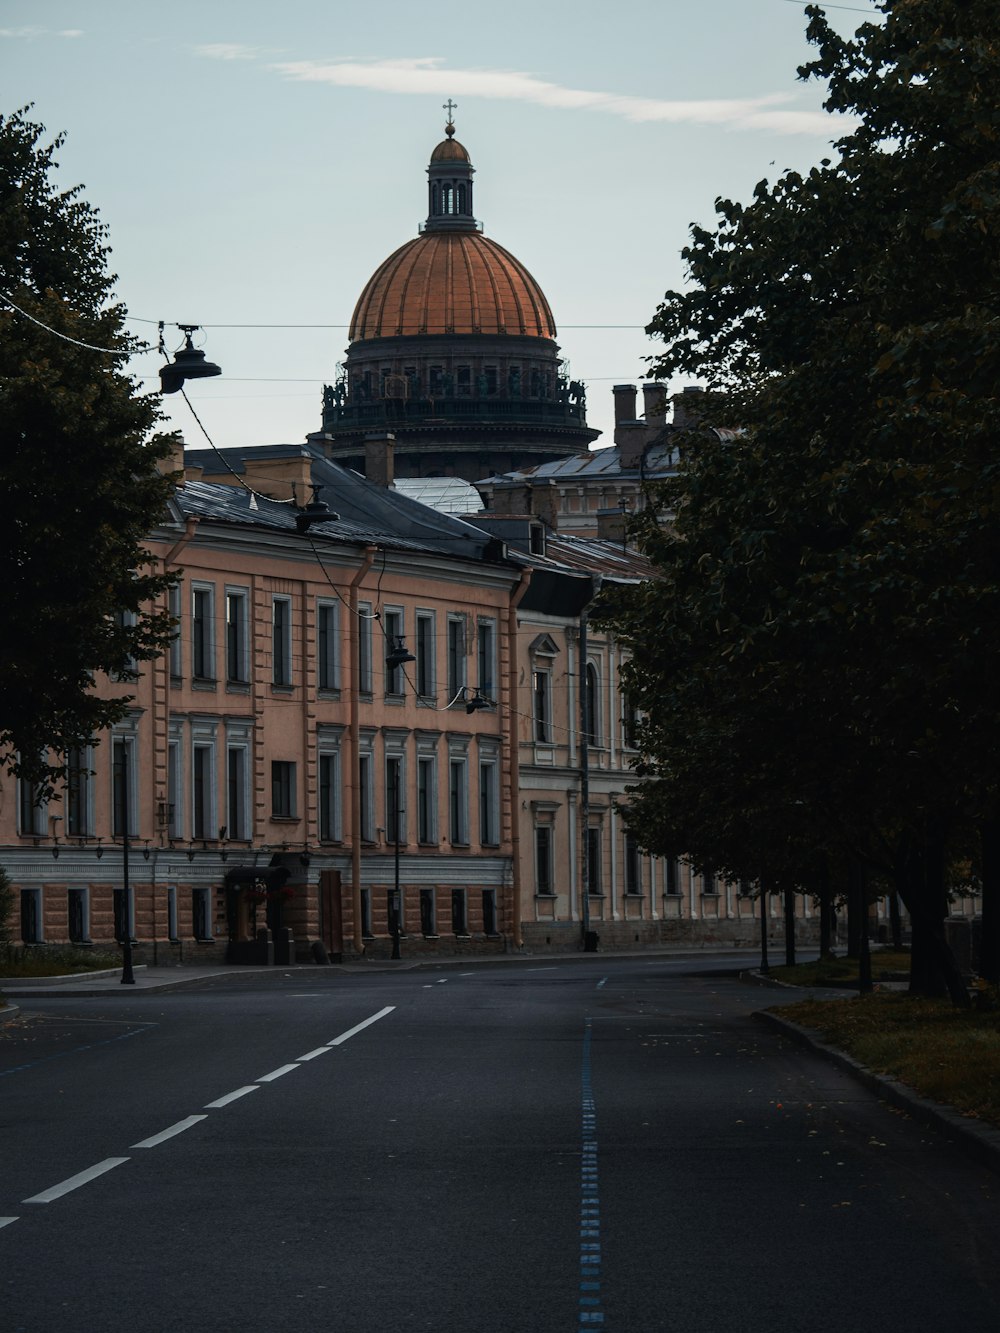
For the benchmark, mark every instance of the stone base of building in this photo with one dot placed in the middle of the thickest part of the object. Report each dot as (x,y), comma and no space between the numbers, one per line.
(622,936)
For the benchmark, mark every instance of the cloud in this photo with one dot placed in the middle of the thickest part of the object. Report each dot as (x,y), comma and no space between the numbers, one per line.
(427,76)
(32,33)
(227,51)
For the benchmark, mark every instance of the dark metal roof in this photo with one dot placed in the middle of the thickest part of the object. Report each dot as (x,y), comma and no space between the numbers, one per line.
(367,514)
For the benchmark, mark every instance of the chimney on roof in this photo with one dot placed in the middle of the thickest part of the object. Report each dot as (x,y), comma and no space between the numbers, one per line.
(611,525)
(631,438)
(654,399)
(380,458)
(624,404)
(687,405)
(174,461)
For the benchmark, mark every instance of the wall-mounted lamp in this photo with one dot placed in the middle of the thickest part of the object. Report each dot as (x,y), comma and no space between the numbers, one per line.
(145,851)
(99,849)
(55,851)
(191,851)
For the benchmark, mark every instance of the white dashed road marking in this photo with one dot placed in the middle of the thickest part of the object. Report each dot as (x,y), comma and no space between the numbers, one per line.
(155,1139)
(74,1182)
(220,1102)
(277,1073)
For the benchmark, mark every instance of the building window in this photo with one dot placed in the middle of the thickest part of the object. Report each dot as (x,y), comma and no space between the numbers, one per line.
(366,795)
(174,812)
(490,912)
(328,646)
(124,786)
(123,905)
(237,793)
(427,799)
(459,912)
(330,797)
(237,636)
(364,623)
(202,791)
(458,801)
(541,693)
(31,809)
(31,916)
(543,860)
(203,632)
(592,698)
(630,722)
(486,654)
(392,620)
(633,865)
(489,804)
(174,608)
(428,921)
(281,641)
(367,933)
(79,817)
(78,915)
(709,884)
(673,876)
(201,913)
(536,539)
(456,656)
(426,675)
(463,381)
(395,800)
(595,877)
(282,789)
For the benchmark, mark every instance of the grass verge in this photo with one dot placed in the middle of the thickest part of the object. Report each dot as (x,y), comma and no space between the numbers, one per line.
(886,964)
(53,962)
(950,1055)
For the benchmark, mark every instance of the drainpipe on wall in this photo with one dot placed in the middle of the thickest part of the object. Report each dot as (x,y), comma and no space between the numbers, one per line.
(354,747)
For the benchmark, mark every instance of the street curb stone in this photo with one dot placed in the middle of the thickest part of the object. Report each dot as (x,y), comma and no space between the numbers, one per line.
(981,1141)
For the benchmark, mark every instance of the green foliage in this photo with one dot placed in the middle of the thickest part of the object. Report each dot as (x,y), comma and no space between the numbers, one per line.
(79,488)
(46,960)
(817,660)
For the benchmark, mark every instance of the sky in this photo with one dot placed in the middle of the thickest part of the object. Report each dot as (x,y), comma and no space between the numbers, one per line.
(255,162)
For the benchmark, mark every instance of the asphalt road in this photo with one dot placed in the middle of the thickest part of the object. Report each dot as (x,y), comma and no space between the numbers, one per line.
(517,1148)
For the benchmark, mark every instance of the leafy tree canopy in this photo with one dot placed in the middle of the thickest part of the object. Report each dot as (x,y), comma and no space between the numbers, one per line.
(79,489)
(826,632)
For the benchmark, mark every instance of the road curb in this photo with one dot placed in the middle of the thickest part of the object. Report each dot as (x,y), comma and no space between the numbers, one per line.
(980,1141)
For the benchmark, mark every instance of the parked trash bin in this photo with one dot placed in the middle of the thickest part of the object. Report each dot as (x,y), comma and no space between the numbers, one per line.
(590,941)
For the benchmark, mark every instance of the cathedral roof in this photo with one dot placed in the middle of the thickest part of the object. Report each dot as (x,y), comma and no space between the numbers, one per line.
(451,282)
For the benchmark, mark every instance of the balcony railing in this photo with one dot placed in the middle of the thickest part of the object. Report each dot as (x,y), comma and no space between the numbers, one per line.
(386,413)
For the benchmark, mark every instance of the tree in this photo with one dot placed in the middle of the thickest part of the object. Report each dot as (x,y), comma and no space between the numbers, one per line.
(832,576)
(80,488)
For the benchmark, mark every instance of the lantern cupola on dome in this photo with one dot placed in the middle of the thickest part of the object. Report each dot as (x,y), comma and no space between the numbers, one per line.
(449,184)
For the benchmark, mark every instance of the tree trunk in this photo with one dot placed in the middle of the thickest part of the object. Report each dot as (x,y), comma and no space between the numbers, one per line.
(895,920)
(989,947)
(853,919)
(790,926)
(859,896)
(825,895)
(933,970)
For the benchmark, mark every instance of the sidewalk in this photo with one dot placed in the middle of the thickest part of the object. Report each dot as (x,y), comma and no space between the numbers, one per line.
(156,979)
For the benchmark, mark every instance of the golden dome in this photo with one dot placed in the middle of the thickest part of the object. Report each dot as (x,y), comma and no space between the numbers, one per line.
(451,282)
(450,150)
